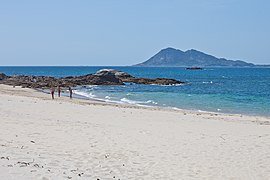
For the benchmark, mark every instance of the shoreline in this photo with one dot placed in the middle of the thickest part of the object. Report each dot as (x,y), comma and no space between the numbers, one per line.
(159,108)
(45,139)
(263,120)
(218,96)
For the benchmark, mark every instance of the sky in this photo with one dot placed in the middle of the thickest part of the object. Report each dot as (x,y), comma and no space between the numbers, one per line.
(127,32)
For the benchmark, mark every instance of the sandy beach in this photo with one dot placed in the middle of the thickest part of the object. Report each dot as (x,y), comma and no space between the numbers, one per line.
(42,138)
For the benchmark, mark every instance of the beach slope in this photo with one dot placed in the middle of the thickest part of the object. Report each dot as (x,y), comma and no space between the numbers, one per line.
(42,138)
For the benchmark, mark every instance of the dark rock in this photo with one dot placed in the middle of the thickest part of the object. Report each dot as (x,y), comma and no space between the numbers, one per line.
(118,74)
(2,76)
(102,77)
(125,77)
(158,81)
(194,68)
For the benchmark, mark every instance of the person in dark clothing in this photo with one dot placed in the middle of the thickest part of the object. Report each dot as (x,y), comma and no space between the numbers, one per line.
(70,92)
(52,92)
(59,90)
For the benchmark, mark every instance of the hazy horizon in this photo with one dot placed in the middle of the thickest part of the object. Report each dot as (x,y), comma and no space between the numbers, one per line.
(124,33)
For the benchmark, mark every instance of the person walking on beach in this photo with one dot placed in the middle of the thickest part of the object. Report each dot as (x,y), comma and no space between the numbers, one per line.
(70,92)
(52,92)
(59,90)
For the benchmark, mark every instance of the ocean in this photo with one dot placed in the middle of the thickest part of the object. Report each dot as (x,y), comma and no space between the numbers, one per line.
(226,90)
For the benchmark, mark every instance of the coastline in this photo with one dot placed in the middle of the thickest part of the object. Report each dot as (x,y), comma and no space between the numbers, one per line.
(217,90)
(89,101)
(42,138)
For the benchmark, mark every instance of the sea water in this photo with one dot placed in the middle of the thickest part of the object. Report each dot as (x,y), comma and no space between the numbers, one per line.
(226,90)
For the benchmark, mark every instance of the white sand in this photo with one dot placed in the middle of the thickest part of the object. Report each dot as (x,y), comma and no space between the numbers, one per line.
(45,139)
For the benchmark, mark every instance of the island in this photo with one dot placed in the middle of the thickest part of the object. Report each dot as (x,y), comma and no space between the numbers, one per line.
(171,57)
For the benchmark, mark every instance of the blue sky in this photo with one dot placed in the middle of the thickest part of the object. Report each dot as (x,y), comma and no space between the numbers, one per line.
(126,32)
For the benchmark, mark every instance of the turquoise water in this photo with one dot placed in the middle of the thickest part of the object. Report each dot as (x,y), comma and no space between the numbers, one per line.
(227,90)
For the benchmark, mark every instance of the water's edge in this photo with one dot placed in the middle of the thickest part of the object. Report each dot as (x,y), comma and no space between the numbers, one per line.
(65,93)
(220,90)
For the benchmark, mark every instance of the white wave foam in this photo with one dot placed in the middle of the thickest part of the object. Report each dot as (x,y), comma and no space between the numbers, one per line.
(91,86)
(85,94)
(151,102)
(125,100)
(107,97)
(211,82)
(121,101)
(167,85)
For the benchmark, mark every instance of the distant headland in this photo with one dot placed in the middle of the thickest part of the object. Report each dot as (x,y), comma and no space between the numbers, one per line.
(171,57)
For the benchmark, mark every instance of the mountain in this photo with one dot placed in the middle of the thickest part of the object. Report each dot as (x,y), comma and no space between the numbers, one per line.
(171,57)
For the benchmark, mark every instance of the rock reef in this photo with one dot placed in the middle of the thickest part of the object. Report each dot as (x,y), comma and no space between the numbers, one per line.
(101,77)
(2,76)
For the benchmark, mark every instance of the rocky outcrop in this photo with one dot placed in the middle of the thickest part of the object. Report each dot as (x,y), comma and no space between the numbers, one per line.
(29,81)
(158,81)
(125,77)
(47,81)
(2,76)
(194,68)
(119,74)
(91,79)
(102,77)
